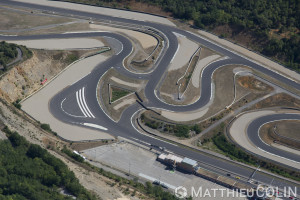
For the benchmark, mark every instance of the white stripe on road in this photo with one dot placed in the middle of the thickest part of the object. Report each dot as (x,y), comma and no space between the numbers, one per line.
(84,103)
(80,104)
(95,126)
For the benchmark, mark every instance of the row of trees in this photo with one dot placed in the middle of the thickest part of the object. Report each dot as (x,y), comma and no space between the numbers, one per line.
(30,172)
(256,17)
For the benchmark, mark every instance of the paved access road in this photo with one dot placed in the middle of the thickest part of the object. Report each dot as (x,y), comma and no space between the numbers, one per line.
(83,107)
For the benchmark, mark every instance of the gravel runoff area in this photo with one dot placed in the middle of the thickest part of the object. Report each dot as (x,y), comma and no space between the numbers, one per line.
(140,162)
(60,44)
(186,48)
(145,39)
(199,67)
(238,133)
(124,102)
(37,104)
(104,11)
(129,84)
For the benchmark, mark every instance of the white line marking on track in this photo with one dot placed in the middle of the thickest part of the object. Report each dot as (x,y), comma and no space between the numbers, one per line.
(79,104)
(61,106)
(84,103)
(95,126)
(278,155)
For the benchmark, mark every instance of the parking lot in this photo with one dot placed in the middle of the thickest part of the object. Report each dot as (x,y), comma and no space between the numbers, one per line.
(132,159)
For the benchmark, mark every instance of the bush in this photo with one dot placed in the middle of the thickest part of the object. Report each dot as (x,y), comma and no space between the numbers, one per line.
(72,155)
(17,103)
(182,131)
(46,127)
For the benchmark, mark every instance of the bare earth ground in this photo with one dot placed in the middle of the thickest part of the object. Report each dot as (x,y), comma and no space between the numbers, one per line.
(26,77)
(80,26)
(60,44)
(289,129)
(17,19)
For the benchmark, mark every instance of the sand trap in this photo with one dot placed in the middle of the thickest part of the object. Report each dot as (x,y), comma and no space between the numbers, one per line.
(145,39)
(117,80)
(238,133)
(103,11)
(124,103)
(199,67)
(37,105)
(186,49)
(184,117)
(60,44)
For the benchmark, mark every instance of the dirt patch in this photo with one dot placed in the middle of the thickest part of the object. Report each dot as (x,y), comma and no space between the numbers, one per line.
(26,77)
(79,146)
(271,135)
(289,129)
(80,26)
(278,100)
(12,19)
(253,84)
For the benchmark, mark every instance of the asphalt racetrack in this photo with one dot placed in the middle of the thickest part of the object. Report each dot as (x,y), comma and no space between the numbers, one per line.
(85,103)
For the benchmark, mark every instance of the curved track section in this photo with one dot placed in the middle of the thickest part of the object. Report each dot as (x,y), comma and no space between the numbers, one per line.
(253,134)
(94,115)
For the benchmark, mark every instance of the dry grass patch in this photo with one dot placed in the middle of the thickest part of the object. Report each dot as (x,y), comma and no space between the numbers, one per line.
(278,100)
(253,84)
(286,133)
(11,19)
